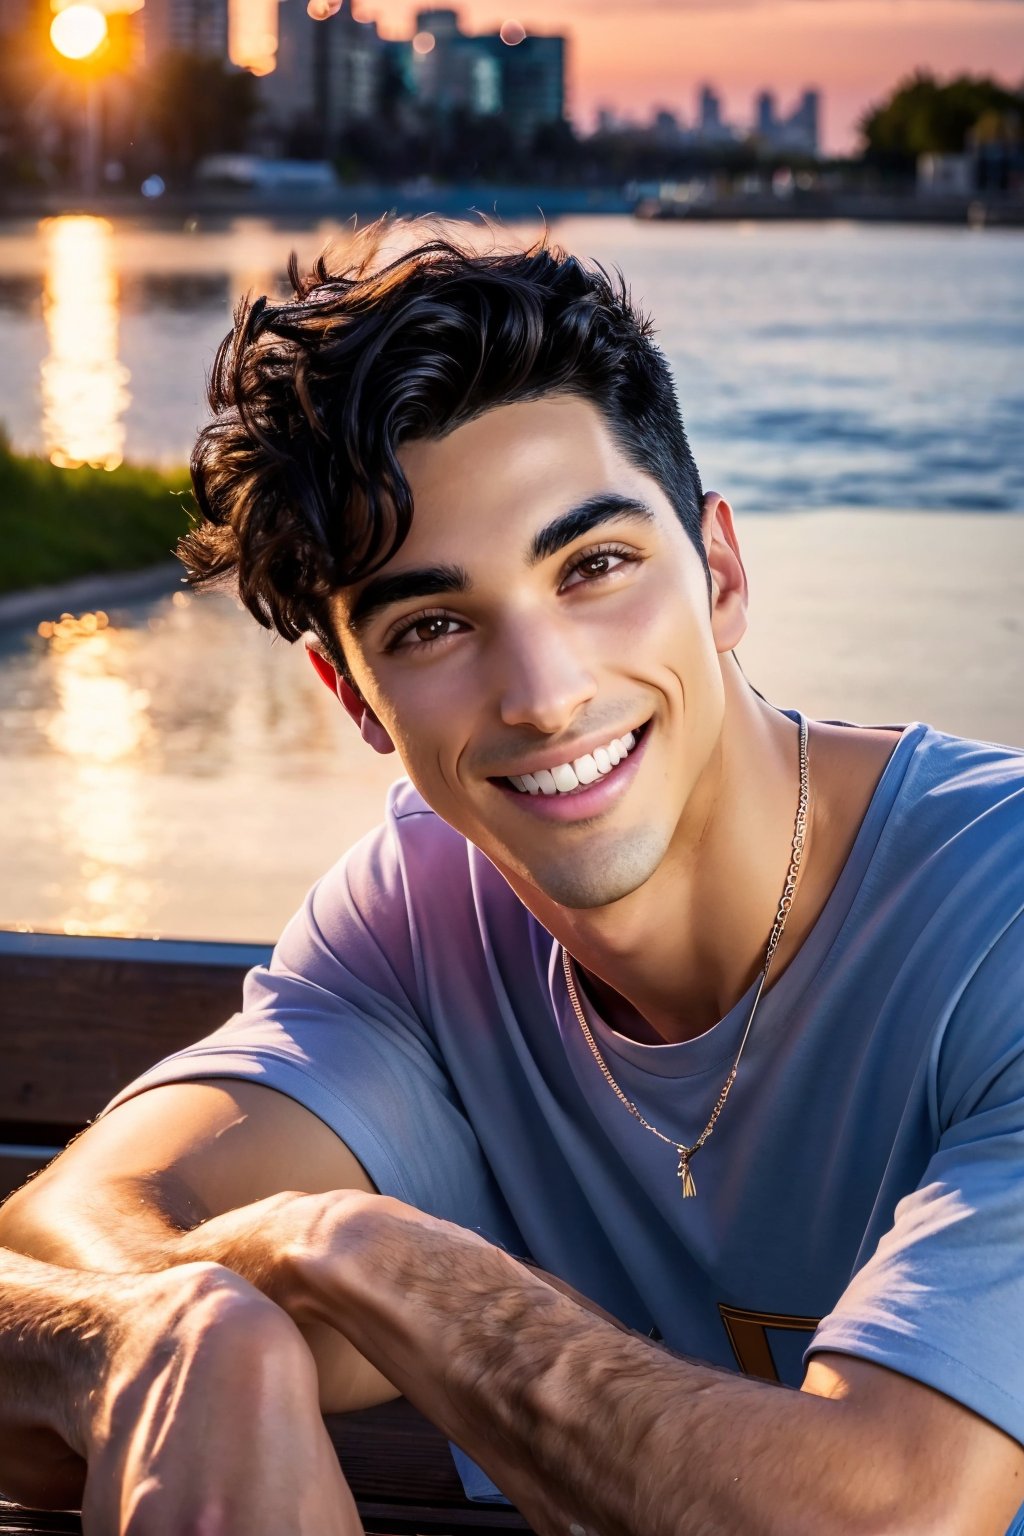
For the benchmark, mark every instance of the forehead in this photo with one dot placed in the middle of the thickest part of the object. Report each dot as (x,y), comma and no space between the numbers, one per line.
(509,471)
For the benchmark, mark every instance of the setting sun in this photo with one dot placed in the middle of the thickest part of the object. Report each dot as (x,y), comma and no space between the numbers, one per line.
(78,31)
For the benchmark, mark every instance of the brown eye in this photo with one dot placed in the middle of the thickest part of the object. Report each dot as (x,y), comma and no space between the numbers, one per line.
(434,627)
(597,565)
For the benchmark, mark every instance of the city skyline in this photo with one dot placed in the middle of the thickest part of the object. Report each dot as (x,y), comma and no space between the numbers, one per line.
(853,51)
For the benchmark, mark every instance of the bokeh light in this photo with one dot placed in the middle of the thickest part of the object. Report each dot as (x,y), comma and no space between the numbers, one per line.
(78,31)
(252,35)
(512,33)
(423,42)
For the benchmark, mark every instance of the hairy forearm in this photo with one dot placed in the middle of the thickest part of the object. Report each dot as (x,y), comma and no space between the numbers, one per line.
(51,1321)
(53,1329)
(136,1225)
(578,1421)
(582,1424)
(148,1224)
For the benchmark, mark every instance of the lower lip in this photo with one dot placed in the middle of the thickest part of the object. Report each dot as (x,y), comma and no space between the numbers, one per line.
(589,800)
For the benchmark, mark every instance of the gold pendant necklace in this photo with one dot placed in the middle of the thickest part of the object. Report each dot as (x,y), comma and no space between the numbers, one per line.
(687,1153)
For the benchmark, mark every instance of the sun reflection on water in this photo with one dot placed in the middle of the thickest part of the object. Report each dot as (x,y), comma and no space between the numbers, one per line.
(100,726)
(100,717)
(84,384)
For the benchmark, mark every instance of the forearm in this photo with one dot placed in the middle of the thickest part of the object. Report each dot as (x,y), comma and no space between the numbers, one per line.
(54,1326)
(582,1424)
(136,1225)
(145,1225)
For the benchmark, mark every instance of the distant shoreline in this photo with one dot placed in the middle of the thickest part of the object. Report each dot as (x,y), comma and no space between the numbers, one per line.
(365,202)
(514,204)
(83,594)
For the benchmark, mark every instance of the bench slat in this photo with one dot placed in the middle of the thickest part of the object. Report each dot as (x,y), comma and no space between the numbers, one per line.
(74,1031)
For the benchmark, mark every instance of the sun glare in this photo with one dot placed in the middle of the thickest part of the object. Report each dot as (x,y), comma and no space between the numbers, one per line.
(78,31)
(84,383)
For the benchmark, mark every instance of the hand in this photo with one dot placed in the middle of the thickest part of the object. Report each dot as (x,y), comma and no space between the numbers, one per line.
(206,1419)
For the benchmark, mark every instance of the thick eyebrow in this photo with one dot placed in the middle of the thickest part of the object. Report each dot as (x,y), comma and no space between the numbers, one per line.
(434,580)
(580,519)
(423,581)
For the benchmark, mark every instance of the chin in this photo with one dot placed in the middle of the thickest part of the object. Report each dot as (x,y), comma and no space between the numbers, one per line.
(584,883)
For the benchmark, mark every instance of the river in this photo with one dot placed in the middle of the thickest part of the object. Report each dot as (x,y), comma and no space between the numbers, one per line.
(165,768)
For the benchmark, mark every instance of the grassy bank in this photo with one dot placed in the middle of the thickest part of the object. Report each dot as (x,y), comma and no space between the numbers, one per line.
(56,524)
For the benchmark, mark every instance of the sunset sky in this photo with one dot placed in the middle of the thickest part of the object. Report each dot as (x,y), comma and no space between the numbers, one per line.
(634,54)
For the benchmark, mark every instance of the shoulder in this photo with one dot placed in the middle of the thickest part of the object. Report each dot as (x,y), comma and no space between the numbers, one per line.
(952,792)
(412,883)
(986,769)
(949,891)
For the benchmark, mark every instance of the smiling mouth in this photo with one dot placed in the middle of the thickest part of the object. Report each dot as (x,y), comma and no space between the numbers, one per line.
(580,773)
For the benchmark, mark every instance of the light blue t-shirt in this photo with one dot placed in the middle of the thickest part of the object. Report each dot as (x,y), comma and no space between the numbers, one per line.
(864,1189)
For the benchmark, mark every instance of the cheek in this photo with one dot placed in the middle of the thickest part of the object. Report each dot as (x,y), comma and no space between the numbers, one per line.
(428,726)
(665,624)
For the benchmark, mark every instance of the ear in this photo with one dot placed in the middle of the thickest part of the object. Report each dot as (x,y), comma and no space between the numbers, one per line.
(370,728)
(729,595)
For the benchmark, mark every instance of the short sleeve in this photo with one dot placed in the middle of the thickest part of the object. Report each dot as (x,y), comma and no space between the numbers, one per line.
(942,1297)
(337,1021)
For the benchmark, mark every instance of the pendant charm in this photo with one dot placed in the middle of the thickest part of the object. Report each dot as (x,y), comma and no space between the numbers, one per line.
(685,1176)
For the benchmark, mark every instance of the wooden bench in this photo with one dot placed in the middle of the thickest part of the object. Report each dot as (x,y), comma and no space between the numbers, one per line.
(79,1018)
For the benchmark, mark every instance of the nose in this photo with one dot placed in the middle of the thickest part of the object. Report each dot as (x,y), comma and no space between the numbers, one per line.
(545,676)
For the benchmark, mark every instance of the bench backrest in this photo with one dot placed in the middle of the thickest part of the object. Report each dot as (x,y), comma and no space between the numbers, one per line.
(79,1018)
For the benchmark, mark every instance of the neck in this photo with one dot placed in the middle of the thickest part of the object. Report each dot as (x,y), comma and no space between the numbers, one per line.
(666,962)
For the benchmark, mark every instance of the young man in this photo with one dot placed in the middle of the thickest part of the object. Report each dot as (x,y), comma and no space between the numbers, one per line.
(709,1013)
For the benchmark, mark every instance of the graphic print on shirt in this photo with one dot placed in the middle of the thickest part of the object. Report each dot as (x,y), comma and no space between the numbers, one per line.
(748,1335)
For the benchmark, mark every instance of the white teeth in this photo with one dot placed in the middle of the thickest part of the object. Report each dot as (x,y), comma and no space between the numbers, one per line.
(587,770)
(584,770)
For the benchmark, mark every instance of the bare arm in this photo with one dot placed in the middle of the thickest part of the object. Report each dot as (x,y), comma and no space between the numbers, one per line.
(132,1193)
(92,1367)
(590,1428)
(580,1423)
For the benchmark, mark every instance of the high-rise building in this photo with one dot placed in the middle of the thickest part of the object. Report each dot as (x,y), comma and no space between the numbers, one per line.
(438,22)
(533,85)
(709,112)
(451,71)
(326,76)
(766,120)
(483,75)
(187,26)
(805,121)
(798,131)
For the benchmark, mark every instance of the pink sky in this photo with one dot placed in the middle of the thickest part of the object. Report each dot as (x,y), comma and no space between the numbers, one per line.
(634,54)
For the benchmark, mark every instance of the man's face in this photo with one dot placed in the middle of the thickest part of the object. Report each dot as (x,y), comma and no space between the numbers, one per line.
(547,610)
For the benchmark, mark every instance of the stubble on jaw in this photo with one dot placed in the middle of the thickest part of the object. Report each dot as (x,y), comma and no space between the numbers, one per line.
(592,876)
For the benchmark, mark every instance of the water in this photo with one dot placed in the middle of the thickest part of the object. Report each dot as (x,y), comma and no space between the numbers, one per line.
(818,365)
(173,771)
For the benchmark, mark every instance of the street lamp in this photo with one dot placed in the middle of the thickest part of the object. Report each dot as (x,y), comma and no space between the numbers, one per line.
(78,33)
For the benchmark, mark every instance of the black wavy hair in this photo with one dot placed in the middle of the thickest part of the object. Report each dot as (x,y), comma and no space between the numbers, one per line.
(297,477)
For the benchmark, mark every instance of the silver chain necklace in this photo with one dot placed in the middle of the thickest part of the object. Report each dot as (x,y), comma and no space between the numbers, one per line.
(687,1154)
